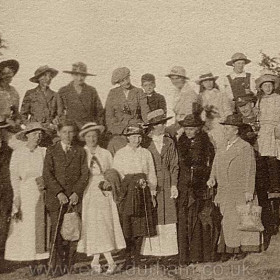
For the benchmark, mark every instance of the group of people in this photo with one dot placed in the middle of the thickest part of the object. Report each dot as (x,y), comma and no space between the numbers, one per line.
(166,194)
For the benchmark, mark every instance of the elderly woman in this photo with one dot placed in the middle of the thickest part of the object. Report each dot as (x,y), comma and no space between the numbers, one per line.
(196,153)
(8,94)
(165,156)
(26,240)
(125,105)
(136,167)
(101,231)
(234,171)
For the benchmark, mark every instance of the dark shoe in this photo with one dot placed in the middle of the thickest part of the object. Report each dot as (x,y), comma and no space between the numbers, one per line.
(225,257)
(240,256)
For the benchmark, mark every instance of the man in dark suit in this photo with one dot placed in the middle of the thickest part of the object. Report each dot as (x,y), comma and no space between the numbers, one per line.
(66,176)
(78,101)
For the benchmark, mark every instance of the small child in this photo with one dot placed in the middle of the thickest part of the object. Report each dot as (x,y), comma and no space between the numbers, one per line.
(154,99)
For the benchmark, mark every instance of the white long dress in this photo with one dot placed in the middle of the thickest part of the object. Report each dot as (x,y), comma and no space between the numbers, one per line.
(101,229)
(25,167)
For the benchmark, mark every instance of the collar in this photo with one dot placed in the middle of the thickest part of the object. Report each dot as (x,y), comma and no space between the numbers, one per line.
(151,94)
(234,75)
(232,143)
(65,147)
(88,150)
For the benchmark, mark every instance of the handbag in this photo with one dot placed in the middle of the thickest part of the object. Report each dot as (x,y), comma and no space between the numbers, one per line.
(71,225)
(250,218)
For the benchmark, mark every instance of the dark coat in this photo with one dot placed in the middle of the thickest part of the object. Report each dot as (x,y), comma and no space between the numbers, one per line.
(121,111)
(81,108)
(167,170)
(195,160)
(64,173)
(39,106)
(156,101)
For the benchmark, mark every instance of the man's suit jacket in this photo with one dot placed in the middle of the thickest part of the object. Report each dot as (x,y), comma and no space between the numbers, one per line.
(41,107)
(116,117)
(65,173)
(156,101)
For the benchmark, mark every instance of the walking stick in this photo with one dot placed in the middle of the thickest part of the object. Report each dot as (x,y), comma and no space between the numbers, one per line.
(55,234)
(147,222)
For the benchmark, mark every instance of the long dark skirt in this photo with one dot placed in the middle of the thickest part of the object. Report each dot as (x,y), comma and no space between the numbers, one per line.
(198,232)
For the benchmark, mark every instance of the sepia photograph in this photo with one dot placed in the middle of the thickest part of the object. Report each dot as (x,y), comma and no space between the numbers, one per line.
(139,139)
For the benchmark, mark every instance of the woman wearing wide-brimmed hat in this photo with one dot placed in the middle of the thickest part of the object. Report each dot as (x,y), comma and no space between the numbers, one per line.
(238,82)
(196,236)
(125,104)
(101,230)
(40,104)
(217,106)
(136,168)
(165,156)
(79,101)
(234,170)
(8,94)
(28,228)
(184,95)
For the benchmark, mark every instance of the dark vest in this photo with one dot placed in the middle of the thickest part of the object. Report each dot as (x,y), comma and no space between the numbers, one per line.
(239,84)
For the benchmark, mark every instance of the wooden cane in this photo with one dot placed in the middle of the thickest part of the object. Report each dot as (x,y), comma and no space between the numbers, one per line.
(147,222)
(55,234)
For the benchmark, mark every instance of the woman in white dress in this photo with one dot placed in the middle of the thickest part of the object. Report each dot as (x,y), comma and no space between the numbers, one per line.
(27,233)
(101,229)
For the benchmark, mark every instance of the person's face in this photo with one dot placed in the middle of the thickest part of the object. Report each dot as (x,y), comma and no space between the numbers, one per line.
(45,79)
(208,84)
(159,128)
(91,138)
(66,134)
(134,140)
(79,79)
(7,75)
(149,87)
(178,81)
(230,131)
(34,137)
(125,83)
(238,66)
(191,131)
(247,109)
(267,88)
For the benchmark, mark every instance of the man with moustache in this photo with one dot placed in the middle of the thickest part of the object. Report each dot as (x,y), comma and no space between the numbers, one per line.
(79,101)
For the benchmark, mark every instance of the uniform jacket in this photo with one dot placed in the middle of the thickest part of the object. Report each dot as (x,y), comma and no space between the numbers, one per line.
(120,111)
(64,173)
(40,106)
(156,101)
(81,108)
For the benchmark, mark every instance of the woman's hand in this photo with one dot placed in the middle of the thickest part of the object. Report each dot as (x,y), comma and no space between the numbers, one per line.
(174,192)
(63,199)
(249,197)
(73,199)
(211,182)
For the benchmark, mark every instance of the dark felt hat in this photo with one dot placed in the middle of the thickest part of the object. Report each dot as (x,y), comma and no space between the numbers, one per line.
(11,63)
(191,121)
(156,117)
(234,120)
(79,68)
(244,99)
(42,70)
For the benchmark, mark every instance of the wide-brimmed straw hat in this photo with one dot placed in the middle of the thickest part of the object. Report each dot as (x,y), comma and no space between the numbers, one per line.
(244,99)
(191,121)
(119,74)
(234,120)
(236,57)
(33,126)
(42,70)
(79,68)
(267,78)
(90,127)
(156,117)
(206,77)
(177,71)
(133,129)
(11,63)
